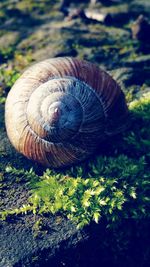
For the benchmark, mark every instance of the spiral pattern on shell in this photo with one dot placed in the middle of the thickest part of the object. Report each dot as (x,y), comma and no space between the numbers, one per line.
(61,109)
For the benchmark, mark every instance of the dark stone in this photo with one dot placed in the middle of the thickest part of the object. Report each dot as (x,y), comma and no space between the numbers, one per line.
(59,244)
(76,13)
(141,29)
(21,245)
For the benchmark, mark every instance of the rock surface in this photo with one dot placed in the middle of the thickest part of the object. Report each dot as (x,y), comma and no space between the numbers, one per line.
(22,245)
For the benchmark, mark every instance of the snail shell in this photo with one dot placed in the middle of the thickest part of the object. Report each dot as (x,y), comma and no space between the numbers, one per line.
(61,109)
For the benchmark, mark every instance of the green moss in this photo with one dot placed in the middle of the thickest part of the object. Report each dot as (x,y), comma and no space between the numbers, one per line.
(8,78)
(6,53)
(138,140)
(31,5)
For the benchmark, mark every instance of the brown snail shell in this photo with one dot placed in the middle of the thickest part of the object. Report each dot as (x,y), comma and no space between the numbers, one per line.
(61,109)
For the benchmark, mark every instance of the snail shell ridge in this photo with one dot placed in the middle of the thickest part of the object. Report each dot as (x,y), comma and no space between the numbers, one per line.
(61,109)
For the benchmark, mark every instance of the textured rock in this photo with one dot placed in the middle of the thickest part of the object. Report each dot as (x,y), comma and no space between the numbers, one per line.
(22,246)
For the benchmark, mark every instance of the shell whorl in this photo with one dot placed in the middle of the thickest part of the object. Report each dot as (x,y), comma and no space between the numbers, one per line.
(60,109)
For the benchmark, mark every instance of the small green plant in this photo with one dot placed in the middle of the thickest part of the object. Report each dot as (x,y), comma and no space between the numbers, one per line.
(7,53)
(8,76)
(138,139)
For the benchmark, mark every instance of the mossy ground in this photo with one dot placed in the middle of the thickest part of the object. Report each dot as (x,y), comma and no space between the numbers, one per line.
(112,187)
